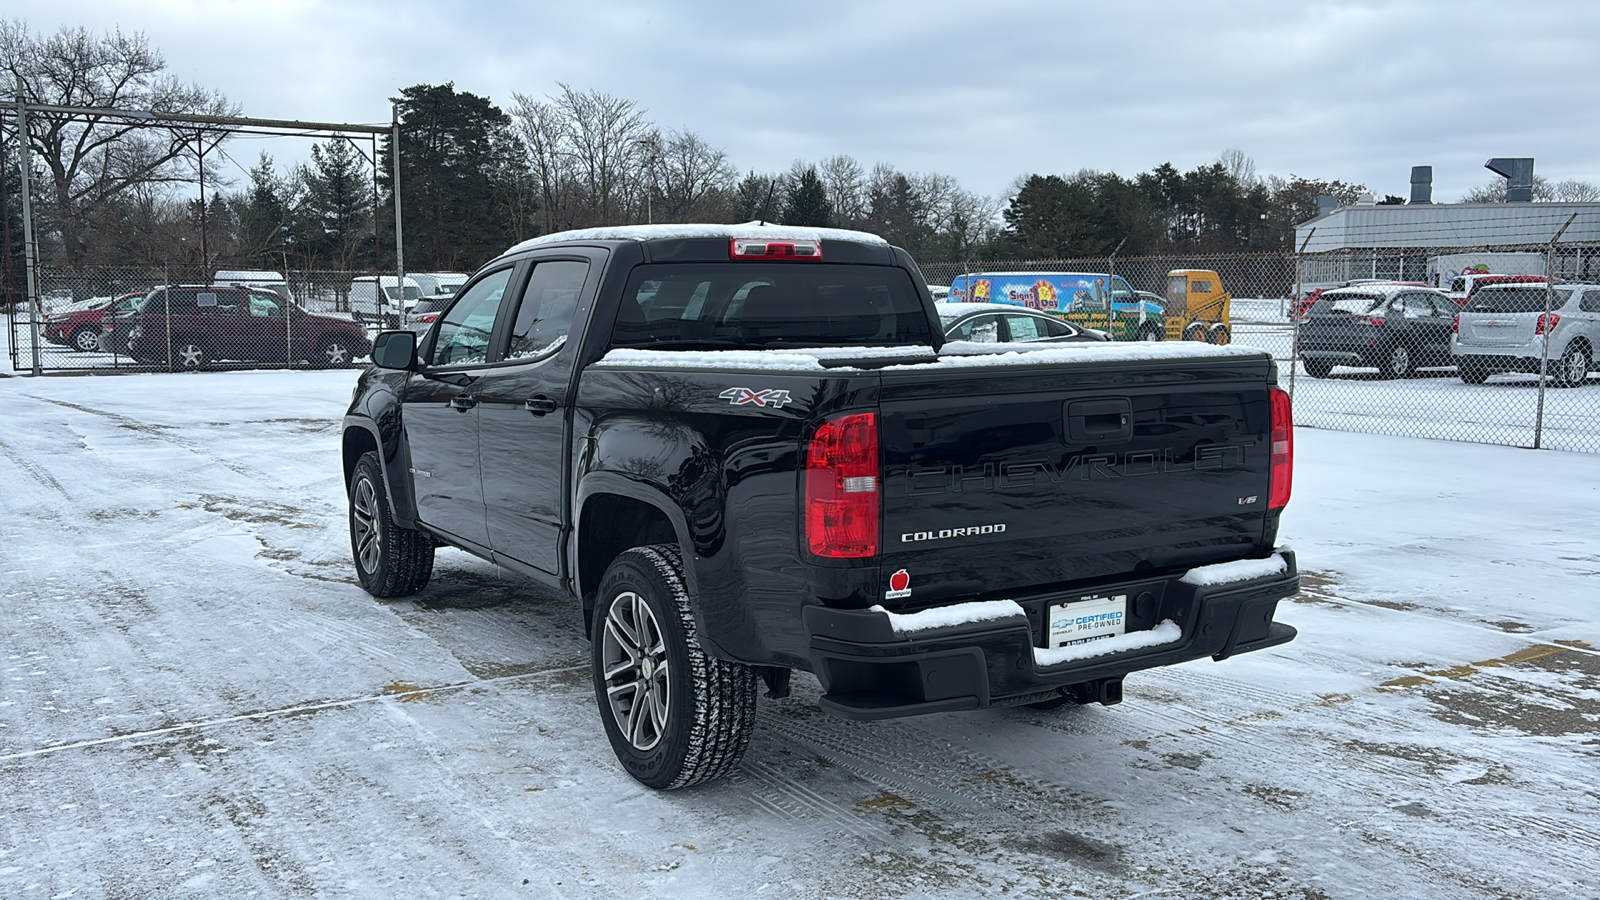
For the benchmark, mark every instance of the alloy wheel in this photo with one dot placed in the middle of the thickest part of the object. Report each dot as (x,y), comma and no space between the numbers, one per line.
(335,354)
(369,538)
(635,666)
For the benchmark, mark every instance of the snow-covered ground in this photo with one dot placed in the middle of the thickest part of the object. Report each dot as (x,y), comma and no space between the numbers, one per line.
(197,700)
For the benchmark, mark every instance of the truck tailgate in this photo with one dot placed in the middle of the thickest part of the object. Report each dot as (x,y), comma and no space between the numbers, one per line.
(1001,478)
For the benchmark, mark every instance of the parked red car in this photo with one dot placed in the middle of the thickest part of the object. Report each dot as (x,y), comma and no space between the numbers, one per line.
(207,324)
(78,326)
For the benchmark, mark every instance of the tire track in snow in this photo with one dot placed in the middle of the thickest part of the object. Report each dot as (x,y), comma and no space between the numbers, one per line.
(152,432)
(400,694)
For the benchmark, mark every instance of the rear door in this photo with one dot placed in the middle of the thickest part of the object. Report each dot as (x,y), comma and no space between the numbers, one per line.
(998,477)
(524,406)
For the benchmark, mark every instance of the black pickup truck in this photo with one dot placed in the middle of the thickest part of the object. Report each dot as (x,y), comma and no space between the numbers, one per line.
(749,450)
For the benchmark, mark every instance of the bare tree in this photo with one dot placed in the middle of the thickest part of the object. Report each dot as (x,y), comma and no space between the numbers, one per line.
(1495,191)
(693,179)
(92,160)
(543,128)
(1572,190)
(1241,168)
(846,184)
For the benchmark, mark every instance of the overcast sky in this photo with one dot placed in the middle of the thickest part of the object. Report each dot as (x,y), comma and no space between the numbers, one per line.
(984,91)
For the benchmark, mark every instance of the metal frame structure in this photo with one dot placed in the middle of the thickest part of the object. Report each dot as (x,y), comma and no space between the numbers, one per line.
(231,125)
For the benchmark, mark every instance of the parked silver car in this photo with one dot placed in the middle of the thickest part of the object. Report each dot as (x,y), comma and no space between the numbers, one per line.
(1504,329)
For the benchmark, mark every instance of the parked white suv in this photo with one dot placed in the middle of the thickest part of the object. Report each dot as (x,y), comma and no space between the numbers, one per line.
(1504,329)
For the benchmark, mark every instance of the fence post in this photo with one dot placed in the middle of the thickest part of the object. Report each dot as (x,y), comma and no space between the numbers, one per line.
(1294,344)
(1544,320)
(29,248)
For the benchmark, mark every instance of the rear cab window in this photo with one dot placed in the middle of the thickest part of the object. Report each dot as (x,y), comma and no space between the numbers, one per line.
(759,305)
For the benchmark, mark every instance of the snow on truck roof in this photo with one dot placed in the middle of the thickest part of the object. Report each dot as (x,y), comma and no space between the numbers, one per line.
(756,230)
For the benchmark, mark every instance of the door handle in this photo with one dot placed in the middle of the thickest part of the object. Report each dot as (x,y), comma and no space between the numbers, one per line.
(463,402)
(539,405)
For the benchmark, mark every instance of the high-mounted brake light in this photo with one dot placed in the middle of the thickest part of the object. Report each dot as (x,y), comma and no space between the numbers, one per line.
(1282,451)
(758,248)
(842,487)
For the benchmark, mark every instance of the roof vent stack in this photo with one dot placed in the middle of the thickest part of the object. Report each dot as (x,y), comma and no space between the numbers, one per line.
(1422,184)
(1518,173)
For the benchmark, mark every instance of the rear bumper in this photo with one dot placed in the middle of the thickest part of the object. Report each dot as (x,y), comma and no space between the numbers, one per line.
(871,670)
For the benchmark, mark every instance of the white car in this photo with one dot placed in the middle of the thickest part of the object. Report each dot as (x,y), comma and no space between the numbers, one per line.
(1504,329)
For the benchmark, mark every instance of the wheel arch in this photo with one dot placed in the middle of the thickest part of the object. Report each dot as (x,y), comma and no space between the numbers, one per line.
(362,435)
(614,514)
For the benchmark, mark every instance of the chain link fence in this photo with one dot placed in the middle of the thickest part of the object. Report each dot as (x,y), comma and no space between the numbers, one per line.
(1394,352)
(181,318)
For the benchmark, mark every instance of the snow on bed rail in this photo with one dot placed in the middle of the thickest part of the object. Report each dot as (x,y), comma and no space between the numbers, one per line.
(678,232)
(1238,570)
(955,614)
(1167,632)
(954,355)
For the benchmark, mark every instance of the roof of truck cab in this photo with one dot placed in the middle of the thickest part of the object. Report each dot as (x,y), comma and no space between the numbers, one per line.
(753,230)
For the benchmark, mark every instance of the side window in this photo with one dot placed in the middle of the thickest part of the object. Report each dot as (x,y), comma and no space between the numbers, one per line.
(464,332)
(545,314)
(1444,306)
(1055,328)
(983,329)
(1590,301)
(1417,306)
(265,306)
(1023,328)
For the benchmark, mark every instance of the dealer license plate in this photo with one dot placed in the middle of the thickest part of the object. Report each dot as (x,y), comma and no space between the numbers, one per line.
(1089,619)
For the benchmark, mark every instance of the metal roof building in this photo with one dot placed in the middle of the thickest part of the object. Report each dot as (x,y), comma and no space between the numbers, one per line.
(1447,225)
(1398,241)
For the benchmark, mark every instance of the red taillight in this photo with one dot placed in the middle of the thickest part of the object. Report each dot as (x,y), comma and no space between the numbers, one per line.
(757,248)
(1282,450)
(842,487)
(1539,326)
(1455,324)
(427,317)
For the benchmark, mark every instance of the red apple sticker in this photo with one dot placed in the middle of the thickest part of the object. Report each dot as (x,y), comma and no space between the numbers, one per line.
(899,586)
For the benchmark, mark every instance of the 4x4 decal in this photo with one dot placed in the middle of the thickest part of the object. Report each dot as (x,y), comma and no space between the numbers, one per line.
(741,396)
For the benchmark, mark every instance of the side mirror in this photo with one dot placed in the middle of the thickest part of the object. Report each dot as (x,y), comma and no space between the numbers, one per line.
(395,350)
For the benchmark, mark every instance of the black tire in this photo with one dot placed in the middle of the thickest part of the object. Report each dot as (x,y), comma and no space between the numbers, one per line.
(1572,369)
(1397,363)
(85,340)
(1317,368)
(1194,331)
(696,718)
(189,354)
(1219,334)
(333,352)
(1151,332)
(391,561)
(1471,371)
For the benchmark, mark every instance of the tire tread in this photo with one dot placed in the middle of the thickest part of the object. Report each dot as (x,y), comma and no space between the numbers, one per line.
(724,709)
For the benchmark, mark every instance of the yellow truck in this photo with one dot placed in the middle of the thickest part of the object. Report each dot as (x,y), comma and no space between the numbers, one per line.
(1197,307)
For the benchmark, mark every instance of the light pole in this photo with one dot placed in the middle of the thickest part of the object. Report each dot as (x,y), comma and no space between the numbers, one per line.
(652,152)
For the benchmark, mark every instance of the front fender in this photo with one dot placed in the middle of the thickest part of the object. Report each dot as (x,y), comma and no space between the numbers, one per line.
(376,416)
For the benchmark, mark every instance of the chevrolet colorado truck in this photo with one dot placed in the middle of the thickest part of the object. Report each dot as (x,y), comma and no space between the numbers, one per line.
(749,449)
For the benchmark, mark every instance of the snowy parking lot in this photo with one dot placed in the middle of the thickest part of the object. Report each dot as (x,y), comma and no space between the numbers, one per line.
(196,699)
